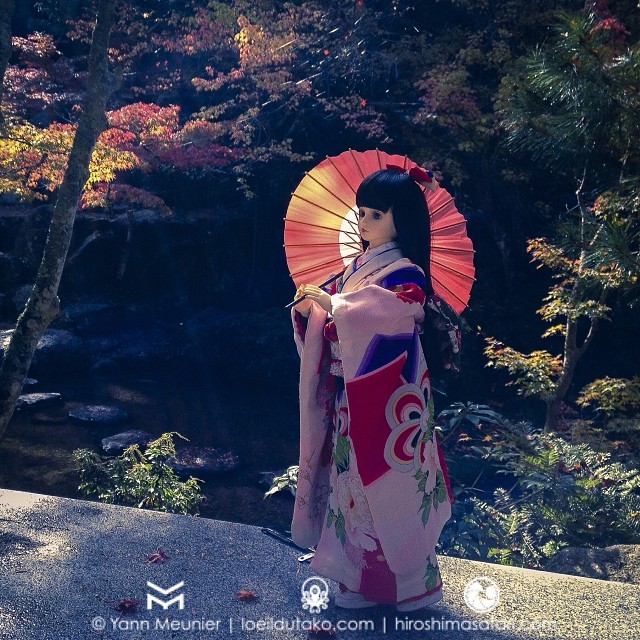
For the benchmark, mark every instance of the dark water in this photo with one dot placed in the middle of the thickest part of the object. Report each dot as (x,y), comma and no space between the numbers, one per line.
(258,424)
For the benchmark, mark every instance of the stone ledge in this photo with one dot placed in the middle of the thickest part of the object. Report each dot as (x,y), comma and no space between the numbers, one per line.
(64,563)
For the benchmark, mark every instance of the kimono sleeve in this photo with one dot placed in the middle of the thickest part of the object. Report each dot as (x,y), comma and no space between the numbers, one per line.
(392,308)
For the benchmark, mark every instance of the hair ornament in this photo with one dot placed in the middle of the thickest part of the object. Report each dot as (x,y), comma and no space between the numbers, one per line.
(423,177)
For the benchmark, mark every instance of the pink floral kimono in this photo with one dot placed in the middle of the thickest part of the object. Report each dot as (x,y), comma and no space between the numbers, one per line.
(373,493)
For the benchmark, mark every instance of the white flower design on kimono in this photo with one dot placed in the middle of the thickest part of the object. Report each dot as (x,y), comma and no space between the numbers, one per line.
(357,517)
(429,462)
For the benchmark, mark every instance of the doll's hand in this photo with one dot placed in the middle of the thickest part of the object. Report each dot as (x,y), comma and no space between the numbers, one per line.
(316,293)
(304,306)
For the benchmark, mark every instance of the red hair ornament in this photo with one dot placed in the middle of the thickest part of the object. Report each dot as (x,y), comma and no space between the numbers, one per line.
(423,177)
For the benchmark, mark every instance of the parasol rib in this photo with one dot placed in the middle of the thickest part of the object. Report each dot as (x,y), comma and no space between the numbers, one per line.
(346,204)
(441,207)
(317,266)
(451,293)
(324,244)
(341,175)
(356,236)
(462,276)
(333,213)
(444,227)
(444,247)
(357,164)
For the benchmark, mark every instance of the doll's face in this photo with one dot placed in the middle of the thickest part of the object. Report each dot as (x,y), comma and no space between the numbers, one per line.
(375,226)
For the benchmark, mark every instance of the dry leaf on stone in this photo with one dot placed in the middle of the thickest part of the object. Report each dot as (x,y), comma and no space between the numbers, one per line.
(127,604)
(158,557)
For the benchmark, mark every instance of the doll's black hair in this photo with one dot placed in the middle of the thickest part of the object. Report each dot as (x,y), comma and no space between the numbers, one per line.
(389,189)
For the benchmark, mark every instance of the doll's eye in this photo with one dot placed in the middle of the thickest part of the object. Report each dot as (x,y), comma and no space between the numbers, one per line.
(377,216)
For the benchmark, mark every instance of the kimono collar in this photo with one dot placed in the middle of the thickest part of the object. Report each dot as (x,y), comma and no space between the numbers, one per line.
(370,253)
(369,262)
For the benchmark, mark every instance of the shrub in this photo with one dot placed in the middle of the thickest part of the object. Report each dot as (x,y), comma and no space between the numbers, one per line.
(144,480)
(562,494)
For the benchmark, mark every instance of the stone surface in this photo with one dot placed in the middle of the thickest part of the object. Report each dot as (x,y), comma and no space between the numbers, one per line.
(98,414)
(617,562)
(59,351)
(192,459)
(66,564)
(38,400)
(142,216)
(89,318)
(117,443)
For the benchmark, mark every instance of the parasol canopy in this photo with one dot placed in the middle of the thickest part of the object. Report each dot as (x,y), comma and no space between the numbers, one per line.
(321,225)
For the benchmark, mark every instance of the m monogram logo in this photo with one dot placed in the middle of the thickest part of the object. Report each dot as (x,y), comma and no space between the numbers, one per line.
(165,592)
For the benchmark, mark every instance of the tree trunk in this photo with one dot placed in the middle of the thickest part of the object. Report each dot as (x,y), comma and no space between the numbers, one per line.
(43,304)
(572,352)
(571,356)
(6,14)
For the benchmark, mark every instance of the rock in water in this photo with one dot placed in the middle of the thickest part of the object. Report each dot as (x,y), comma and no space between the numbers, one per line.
(38,400)
(98,414)
(59,351)
(192,459)
(114,445)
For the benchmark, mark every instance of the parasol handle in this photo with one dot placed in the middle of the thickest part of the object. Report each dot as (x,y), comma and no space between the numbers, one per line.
(322,284)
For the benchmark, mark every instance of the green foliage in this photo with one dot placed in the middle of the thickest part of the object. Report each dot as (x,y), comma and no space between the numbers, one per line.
(458,413)
(573,104)
(611,395)
(535,372)
(140,479)
(288,481)
(575,96)
(563,494)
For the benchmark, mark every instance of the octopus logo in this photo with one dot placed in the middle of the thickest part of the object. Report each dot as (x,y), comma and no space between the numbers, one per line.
(315,594)
(482,594)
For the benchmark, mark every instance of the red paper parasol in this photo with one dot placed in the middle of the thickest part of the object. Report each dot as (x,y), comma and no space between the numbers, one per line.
(321,226)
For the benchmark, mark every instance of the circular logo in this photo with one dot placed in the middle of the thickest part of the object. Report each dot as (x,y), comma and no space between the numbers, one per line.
(315,594)
(482,594)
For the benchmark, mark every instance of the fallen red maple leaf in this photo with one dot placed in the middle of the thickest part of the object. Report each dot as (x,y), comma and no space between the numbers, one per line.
(159,556)
(246,595)
(127,604)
